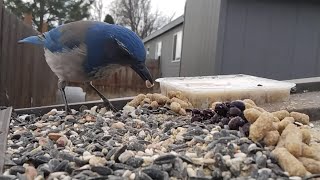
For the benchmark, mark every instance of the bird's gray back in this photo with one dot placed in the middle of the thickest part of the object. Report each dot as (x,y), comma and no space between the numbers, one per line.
(74,31)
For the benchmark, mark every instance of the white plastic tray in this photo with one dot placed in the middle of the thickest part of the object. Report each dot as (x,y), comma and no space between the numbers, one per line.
(202,91)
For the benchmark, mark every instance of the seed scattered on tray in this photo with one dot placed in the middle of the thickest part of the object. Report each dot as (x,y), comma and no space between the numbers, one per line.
(163,137)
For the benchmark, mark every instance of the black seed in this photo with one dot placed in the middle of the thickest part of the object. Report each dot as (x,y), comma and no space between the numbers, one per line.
(220,124)
(14,170)
(53,163)
(106,138)
(220,162)
(45,169)
(165,159)
(32,127)
(79,150)
(199,178)
(118,114)
(102,170)
(62,166)
(217,174)
(142,176)
(119,152)
(118,166)
(186,159)
(134,162)
(16,137)
(156,174)
(111,153)
(261,161)
(21,160)
(36,161)
(136,146)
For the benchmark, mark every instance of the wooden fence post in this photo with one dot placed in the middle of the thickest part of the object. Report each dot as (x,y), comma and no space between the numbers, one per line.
(27,18)
(44,27)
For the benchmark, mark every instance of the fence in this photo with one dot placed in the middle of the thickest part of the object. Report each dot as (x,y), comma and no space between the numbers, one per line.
(27,81)
(124,82)
(25,78)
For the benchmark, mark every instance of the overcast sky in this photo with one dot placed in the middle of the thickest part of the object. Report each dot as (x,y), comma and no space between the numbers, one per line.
(167,7)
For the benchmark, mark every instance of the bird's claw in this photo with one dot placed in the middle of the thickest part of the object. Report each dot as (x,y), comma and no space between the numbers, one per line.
(108,105)
(68,110)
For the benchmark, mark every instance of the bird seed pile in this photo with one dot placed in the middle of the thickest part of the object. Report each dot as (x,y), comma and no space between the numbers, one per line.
(163,137)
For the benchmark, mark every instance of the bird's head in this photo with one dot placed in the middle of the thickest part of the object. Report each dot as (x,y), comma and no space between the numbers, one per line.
(132,44)
(141,69)
(36,40)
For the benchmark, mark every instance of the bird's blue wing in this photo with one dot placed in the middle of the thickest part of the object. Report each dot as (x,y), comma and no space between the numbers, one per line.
(105,44)
(109,45)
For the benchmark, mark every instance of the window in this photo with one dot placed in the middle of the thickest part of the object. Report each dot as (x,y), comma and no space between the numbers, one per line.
(177,44)
(148,50)
(158,50)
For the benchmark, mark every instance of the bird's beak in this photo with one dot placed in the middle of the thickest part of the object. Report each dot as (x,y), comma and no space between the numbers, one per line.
(31,40)
(144,73)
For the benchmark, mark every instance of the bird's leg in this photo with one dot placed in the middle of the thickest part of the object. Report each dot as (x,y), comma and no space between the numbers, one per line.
(62,86)
(107,103)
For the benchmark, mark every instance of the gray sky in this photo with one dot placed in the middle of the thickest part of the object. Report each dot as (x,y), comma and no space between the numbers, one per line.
(167,7)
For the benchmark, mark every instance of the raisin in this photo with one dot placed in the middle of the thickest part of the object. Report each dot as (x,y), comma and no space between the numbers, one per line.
(208,113)
(234,111)
(215,119)
(245,129)
(225,121)
(196,118)
(196,111)
(221,109)
(238,104)
(235,123)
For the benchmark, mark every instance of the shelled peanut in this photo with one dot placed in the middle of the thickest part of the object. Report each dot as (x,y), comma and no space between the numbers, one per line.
(175,101)
(291,142)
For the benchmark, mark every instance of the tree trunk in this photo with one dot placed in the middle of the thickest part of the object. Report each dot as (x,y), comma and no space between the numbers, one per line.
(42,4)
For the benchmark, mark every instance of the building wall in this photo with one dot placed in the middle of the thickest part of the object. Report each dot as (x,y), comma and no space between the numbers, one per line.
(169,68)
(201,26)
(274,39)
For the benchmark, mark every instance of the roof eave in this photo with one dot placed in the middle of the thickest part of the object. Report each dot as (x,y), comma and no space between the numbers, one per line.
(165,29)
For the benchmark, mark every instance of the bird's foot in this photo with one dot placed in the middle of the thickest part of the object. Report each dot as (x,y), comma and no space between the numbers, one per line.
(67,110)
(106,102)
(108,105)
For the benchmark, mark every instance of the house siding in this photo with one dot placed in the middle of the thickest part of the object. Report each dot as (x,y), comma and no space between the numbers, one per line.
(278,39)
(168,67)
(200,37)
(274,39)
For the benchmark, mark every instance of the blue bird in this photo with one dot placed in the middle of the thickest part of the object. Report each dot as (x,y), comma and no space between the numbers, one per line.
(84,51)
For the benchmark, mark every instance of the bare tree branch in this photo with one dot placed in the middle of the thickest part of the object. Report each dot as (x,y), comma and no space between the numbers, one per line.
(138,15)
(98,10)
